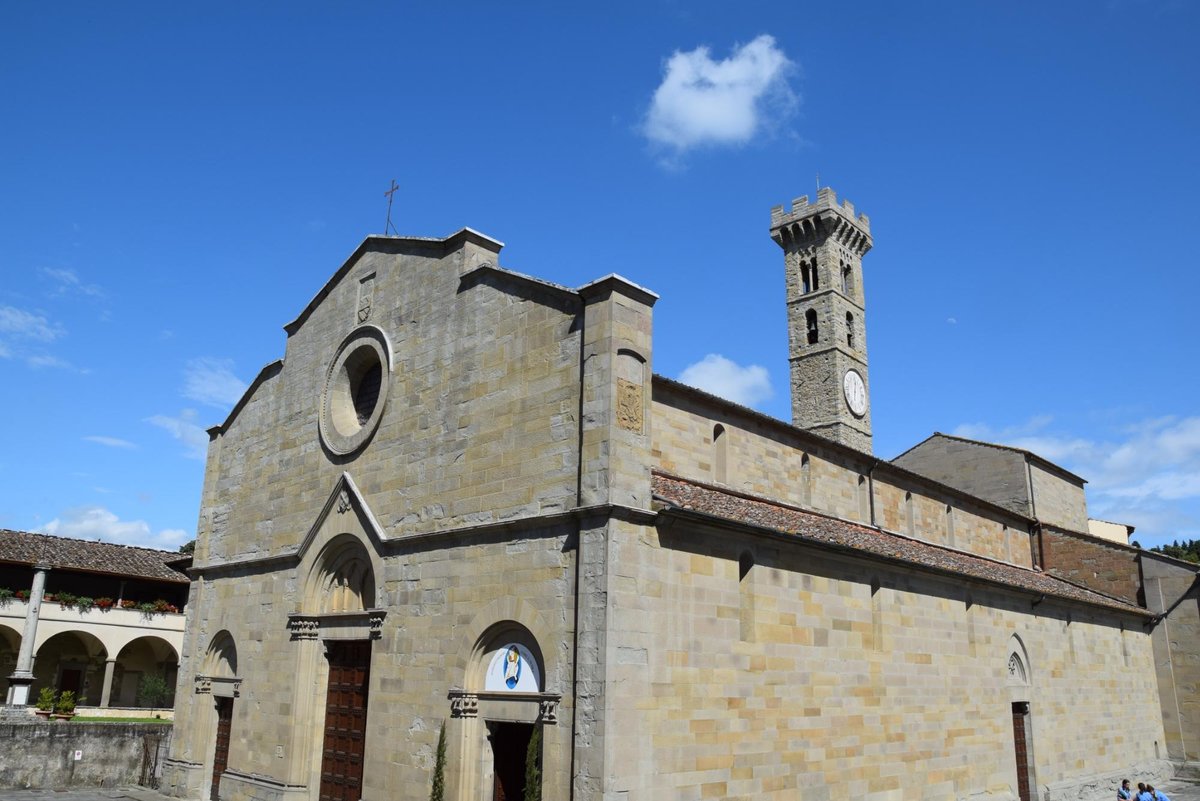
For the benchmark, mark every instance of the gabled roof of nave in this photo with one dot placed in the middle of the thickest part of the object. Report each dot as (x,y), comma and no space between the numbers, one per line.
(1029,455)
(28,548)
(691,496)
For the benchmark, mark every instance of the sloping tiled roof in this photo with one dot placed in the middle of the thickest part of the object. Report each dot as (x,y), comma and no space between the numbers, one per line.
(27,548)
(687,495)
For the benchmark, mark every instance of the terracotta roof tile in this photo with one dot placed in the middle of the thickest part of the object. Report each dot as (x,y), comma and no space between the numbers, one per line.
(24,547)
(687,495)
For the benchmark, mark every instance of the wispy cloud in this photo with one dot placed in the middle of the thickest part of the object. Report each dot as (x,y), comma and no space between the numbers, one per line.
(184,429)
(68,282)
(702,102)
(111,442)
(18,323)
(98,523)
(212,381)
(714,373)
(1146,472)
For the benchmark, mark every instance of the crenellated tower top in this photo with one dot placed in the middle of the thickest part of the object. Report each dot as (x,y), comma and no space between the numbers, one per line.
(823,245)
(804,221)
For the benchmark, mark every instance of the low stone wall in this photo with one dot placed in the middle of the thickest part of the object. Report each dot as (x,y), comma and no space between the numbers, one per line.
(55,755)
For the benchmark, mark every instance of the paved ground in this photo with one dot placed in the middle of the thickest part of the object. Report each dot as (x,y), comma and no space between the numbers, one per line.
(1178,790)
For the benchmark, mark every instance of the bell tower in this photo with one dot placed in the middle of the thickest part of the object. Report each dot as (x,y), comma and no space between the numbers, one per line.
(823,245)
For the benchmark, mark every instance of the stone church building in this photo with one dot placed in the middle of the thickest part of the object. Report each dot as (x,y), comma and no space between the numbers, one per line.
(462,499)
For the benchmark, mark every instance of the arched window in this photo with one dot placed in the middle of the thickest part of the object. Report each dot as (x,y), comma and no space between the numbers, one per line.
(805,278)
(849,330)
(909,516)
(719,440)
(847,281)
(1017,666)
(746,596)
(805,481)
(810,324)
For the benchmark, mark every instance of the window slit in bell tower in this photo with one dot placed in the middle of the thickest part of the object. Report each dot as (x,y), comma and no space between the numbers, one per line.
(810,323)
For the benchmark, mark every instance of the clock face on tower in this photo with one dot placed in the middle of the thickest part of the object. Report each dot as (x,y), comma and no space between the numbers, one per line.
(856,392)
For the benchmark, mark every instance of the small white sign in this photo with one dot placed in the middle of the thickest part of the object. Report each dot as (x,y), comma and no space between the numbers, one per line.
(78,755)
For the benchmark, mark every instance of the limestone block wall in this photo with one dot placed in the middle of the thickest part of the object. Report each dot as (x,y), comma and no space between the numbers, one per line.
(480,422)
(995,474)
(1058,500)
(1097,564)
(1172,589)
(441,598)
(826,679)
(797,469)
(947,520)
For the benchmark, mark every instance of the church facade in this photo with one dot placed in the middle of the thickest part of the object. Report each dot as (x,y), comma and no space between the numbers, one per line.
(463,502)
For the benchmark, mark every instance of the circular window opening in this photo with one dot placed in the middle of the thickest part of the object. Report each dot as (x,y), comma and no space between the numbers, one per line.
(355,391)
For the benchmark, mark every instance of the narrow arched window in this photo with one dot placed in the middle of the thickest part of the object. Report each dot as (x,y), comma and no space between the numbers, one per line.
(719,440)
(849,330)
(847,281)
(909,516)
(805,481)
(864,499)
(810,323)
(805,277)
(816,278)
(745,597)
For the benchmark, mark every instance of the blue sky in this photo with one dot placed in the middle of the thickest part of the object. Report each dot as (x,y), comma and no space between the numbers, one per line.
(178,181)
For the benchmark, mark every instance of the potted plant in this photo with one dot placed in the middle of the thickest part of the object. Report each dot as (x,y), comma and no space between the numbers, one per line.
(65,708)
(104,604)
(44,705)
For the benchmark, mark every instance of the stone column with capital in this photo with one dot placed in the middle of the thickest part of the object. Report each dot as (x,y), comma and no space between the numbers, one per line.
(22,678)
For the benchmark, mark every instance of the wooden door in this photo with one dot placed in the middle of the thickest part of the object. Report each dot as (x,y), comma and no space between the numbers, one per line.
(345,721)
(1020,719)
(221,756)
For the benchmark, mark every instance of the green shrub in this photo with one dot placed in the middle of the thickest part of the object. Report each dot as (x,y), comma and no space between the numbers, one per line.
(153,690)
(45,701)
(66,703)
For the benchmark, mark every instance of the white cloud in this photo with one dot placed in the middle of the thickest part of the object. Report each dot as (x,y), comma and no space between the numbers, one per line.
(212,381)
(184,429)
(724,378)
(40,360)
(111,442)
(69,282)
(98,523)
(1146,473)
(27,325)
(705,102)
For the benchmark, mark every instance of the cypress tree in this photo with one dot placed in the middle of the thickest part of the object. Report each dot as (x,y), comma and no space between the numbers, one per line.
(438,793)
(533,766)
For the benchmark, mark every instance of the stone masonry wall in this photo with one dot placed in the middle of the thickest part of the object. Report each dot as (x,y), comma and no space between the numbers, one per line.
(1173,590)
(823,679)
(40,755)
(441,598)
(995,474)
(771,464)
(1058,500)
(481,422)
(1094,563)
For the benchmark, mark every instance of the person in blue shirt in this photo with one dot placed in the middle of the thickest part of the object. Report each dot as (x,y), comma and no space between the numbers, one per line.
(1155,795)
(1123,792)
(1143,794)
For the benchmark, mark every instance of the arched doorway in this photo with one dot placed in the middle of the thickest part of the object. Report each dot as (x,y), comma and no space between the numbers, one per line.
(503,711)
(71,661)
(144,674)
(339,595)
